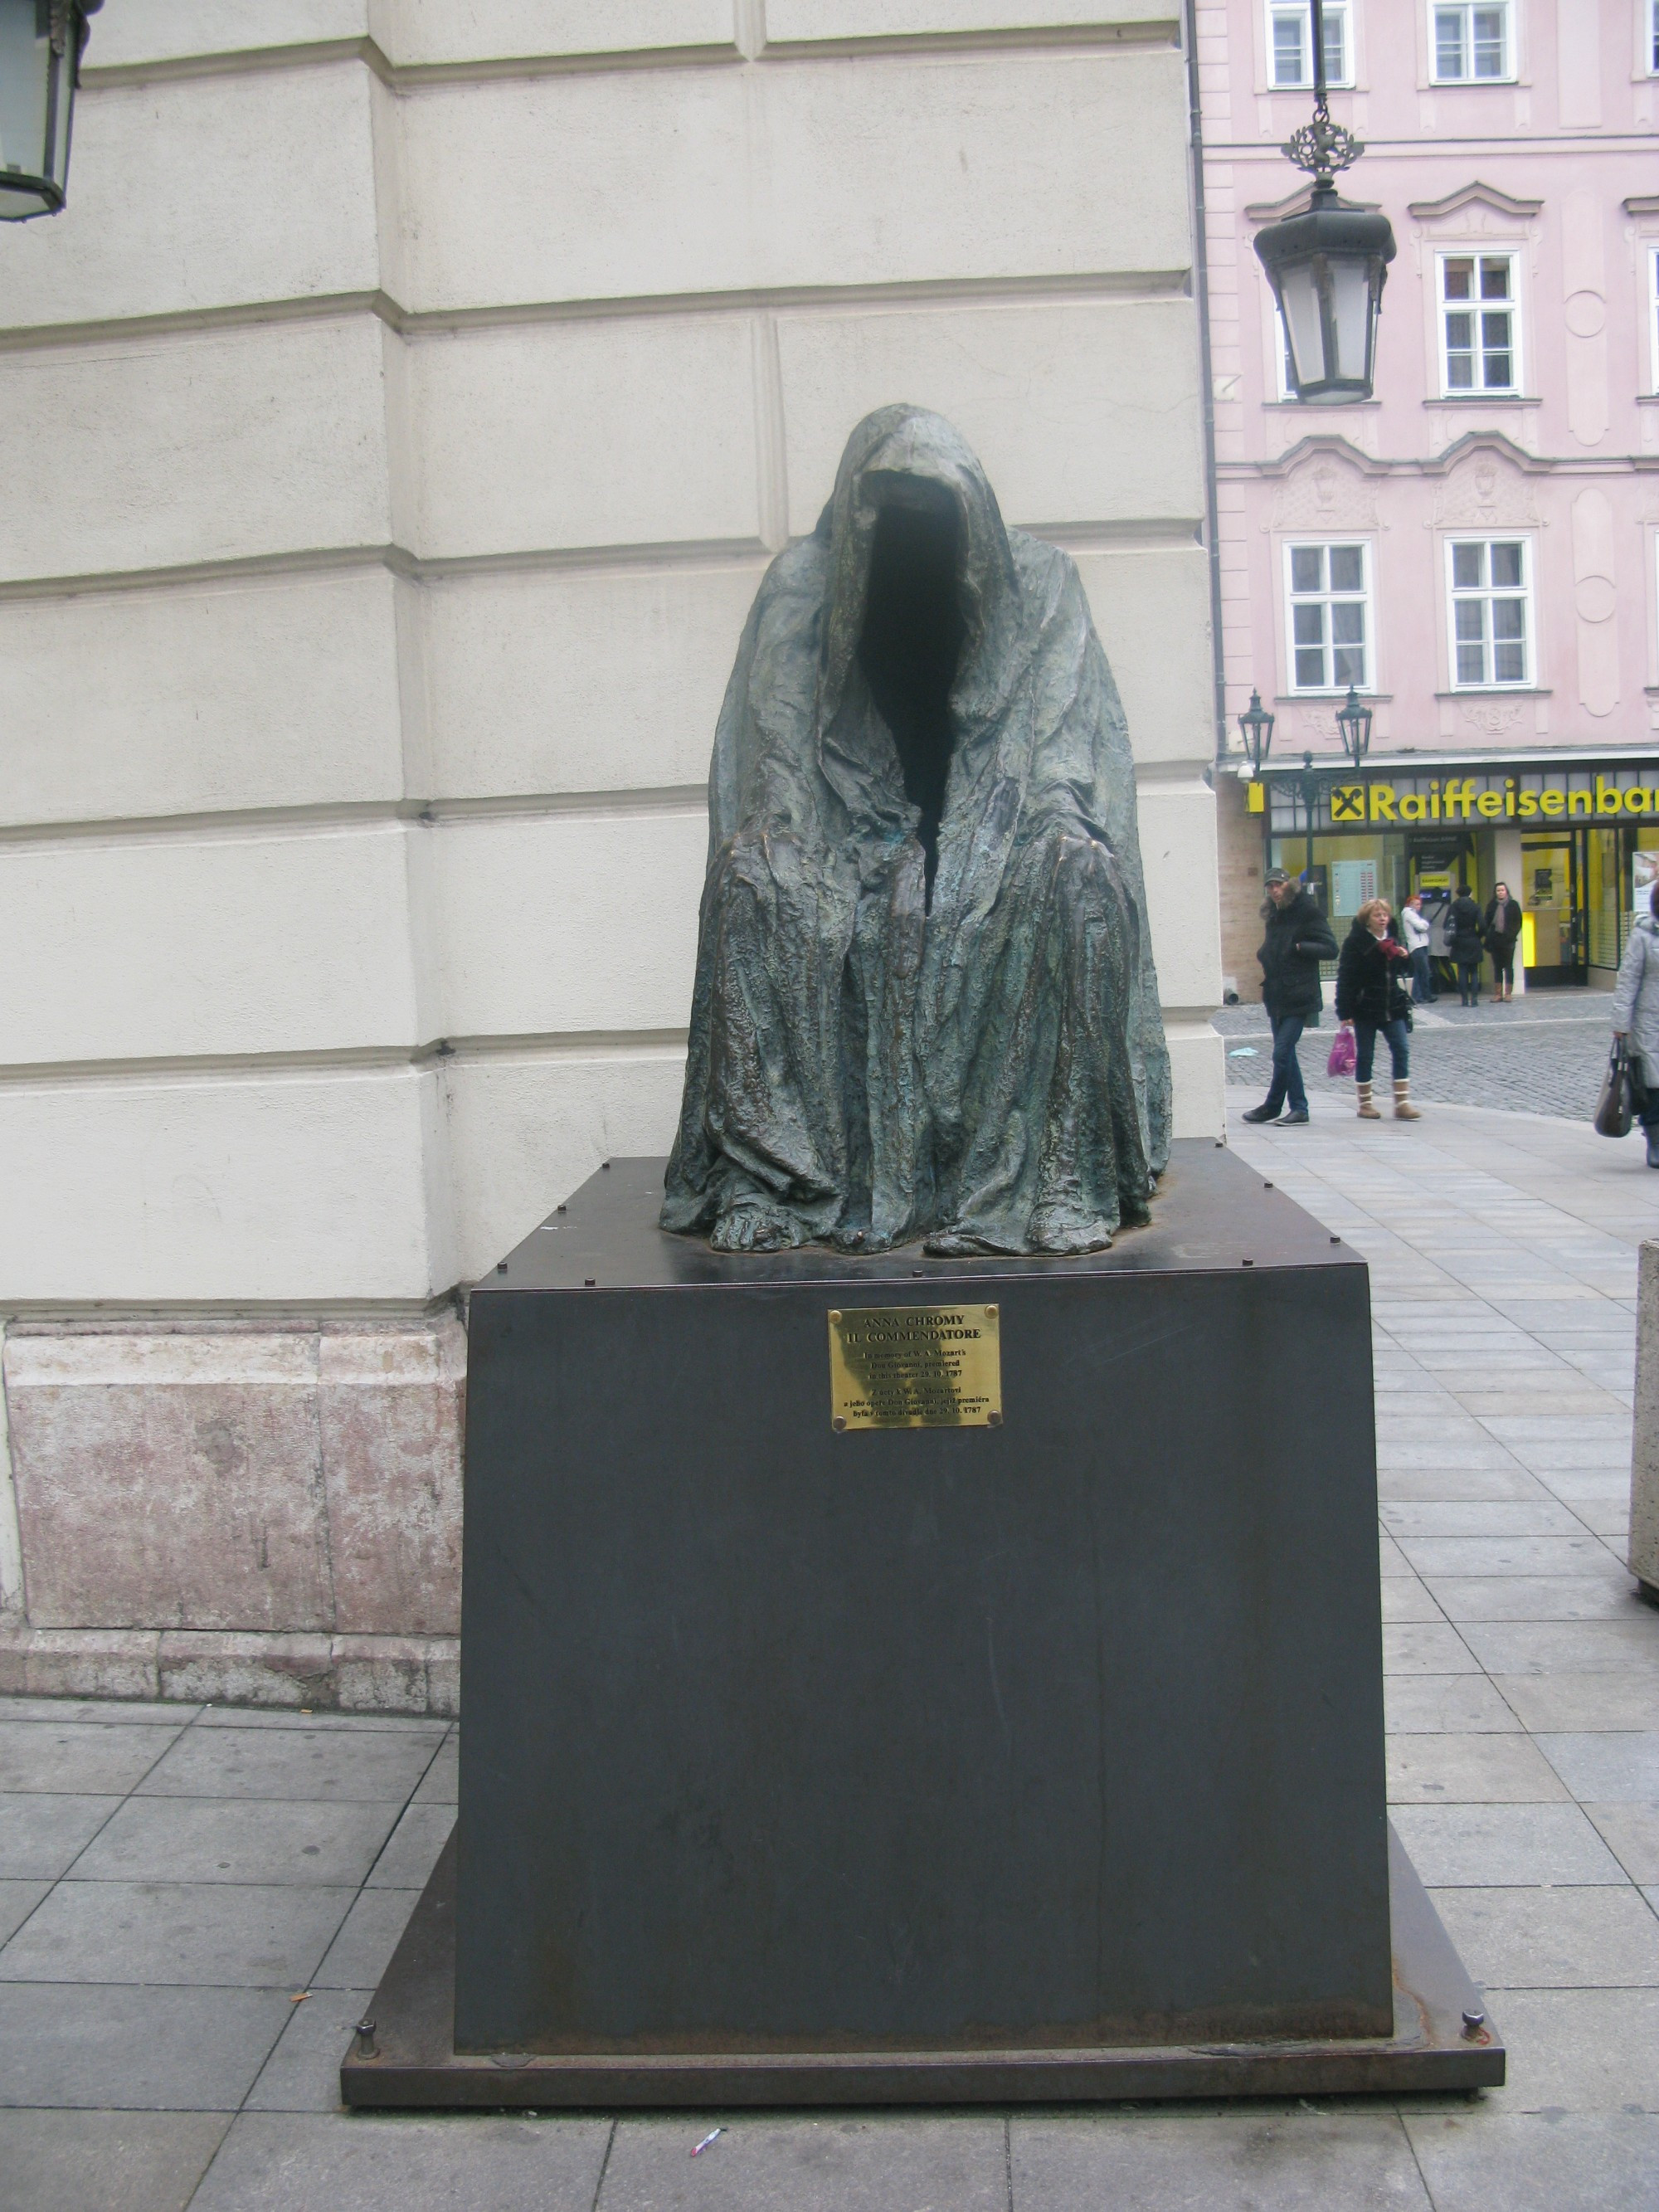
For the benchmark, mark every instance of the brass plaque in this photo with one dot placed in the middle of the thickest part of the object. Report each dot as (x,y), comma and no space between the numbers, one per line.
(915,1367)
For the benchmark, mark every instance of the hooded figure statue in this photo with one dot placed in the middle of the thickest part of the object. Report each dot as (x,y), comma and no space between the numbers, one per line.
(925,1003)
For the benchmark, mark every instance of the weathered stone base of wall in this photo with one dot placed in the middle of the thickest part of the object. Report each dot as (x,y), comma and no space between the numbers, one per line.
(315,1674)
(267,1513)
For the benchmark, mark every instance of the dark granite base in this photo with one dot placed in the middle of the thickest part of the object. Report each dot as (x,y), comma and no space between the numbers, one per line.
(415,2063)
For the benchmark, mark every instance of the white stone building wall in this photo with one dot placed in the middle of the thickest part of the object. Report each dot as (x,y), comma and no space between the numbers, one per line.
(394,429)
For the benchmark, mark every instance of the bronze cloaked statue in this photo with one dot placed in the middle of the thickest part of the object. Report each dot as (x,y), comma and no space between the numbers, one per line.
(925,1002)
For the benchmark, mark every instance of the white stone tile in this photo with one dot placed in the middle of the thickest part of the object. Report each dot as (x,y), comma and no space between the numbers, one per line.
(433,32)
(288,213)
(264,942)
(545,681)
(1471,1770)
(195,700)
(637,431)
(604,934)
(1488,1845)
(266,1187)
(167,30)
(193,446)
(1080,412)
(805,22)
(635,182)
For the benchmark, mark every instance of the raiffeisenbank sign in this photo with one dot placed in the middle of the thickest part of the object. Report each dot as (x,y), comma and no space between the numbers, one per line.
(1538,798)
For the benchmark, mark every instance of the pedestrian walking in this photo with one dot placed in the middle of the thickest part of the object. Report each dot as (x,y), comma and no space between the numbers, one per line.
(1466,944)
(1502,928)
(1298,938)
(1414,934)
(1371,996)
(1636,1018)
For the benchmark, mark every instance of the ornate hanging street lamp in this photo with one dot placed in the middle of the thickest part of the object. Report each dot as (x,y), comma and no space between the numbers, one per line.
(40,45)
(1354,724)
(1256,726)
(1328,265)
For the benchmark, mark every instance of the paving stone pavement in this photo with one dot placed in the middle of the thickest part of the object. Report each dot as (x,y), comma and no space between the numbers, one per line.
(174,1880)
(1543,1054)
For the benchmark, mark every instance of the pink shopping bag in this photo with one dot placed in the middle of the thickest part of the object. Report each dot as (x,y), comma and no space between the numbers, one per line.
(1344,1054)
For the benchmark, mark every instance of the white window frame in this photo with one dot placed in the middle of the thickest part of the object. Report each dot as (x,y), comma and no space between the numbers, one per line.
(1651,255)
(1468,9)
(1444,307)
(1282,357)
(1486,592)
(1336,12)
(1652,56)
(1366,597)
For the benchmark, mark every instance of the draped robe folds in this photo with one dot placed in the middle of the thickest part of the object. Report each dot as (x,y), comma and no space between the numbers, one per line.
(984,1067)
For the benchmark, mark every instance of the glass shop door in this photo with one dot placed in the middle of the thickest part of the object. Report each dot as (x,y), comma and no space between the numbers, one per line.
(1554,925)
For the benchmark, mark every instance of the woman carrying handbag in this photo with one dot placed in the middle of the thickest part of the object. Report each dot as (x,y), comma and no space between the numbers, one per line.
(1371,996)
(1636,1018)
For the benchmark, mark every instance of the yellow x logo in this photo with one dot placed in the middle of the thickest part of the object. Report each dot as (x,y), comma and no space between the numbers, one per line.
(1348,802)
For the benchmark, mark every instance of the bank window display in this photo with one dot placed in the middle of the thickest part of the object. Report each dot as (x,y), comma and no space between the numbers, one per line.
(1327,598)
(1472,41)
(1491,612)
(1347,871)
(1480,324)
(1290,44)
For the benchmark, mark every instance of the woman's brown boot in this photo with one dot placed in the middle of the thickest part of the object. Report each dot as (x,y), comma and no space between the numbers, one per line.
(1367,1111)
(1403,1108)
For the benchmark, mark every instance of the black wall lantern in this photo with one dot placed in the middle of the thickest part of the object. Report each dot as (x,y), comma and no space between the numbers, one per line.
(1328,265)
(40,44)
(1354,724)
(1256,727)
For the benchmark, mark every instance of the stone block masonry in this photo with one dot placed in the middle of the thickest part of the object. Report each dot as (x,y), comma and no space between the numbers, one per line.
(381,526)
(267,1514)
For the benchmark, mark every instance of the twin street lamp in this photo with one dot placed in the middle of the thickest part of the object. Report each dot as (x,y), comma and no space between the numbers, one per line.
(1353,725)
(40,45)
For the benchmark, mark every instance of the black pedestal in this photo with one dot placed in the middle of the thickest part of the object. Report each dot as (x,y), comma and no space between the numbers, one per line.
(912,1756)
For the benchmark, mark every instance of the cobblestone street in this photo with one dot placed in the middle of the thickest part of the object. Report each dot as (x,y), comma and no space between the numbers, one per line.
(1542,1053)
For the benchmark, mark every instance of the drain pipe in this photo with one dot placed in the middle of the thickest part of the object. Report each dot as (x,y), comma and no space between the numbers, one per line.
(1201,283)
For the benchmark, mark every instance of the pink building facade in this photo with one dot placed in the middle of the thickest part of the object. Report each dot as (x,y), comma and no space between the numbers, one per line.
(1476,548)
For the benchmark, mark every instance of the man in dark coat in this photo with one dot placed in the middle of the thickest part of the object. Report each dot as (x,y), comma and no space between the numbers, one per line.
(1463,935)
(1298,938)
(1503,927)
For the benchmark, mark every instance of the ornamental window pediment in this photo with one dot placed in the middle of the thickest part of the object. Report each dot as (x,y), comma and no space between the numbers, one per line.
(1486,489)
(1324,492)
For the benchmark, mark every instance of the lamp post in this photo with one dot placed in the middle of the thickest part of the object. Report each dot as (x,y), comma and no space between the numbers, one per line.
(1328,265)
(40,45)
(1310,799)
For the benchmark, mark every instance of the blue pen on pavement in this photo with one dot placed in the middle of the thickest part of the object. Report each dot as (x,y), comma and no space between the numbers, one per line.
(706,2140)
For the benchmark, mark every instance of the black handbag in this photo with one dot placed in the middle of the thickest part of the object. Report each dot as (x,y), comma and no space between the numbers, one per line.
(1615,1109)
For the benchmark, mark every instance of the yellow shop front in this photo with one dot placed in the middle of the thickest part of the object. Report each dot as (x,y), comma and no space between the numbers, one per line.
(1576,845)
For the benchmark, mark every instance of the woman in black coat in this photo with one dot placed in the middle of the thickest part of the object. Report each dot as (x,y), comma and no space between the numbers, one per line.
(1372,995)
(1503,927)
(1468,945)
